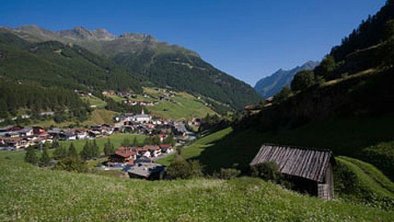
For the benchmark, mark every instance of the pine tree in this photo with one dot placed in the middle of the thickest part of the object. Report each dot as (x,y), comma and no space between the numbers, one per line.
(55,144)
(125,142)
(95,150)
(135,142)
(60,152)
(45,158)
(31,156)
(86,152)
(72,152)
(108,148)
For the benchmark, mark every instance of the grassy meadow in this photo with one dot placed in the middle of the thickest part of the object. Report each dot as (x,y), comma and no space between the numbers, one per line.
(181,106)
(33,194)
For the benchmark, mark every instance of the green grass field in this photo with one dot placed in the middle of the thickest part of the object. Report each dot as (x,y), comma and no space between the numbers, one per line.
(365,183)
(33,194)
(94,101)
(183,106)
(97,117)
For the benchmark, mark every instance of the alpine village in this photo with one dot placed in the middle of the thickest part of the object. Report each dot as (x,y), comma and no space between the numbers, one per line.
(102,127)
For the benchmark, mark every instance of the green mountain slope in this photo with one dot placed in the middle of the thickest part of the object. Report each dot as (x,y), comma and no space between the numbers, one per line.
(47,195)
(156,62)
(56,64)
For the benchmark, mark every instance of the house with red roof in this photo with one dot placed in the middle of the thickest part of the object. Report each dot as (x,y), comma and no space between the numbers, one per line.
(124,155)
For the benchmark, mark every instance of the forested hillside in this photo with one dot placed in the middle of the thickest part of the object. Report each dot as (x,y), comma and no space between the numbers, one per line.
(53,63)
(25,95)
(155,63)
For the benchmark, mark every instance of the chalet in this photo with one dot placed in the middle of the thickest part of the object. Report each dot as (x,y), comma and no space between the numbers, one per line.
(67,135)
(37,130)
(148,171)
(16,143)
(81,134)
(309,170)
(154,150)
(143,151)
(166,148)
(124,155)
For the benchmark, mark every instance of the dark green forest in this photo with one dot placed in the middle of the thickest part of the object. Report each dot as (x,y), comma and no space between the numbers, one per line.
(56,64)
(21,95)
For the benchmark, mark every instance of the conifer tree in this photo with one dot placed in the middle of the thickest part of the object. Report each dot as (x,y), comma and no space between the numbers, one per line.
(45,158)
(95,150)
(31,156)
(60,152)
(72,152)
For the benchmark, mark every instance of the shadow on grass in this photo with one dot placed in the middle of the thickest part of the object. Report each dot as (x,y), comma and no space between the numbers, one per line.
(343,136)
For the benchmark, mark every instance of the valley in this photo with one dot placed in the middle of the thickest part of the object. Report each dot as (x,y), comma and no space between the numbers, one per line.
(102,126)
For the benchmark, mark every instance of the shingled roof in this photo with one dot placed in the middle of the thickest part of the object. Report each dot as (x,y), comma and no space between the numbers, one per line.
(294,161)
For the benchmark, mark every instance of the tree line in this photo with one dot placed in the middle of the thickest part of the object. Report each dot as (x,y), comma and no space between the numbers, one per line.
(34,97)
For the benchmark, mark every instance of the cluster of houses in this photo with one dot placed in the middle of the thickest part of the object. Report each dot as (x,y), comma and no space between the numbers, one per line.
(145,124)
(131,155)
(138,161)
(17,137)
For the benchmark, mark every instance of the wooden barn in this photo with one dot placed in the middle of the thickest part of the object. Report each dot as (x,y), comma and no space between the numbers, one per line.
(310,170)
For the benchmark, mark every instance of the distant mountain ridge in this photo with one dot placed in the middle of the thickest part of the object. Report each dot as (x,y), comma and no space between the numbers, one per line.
(270,85)
(153,62)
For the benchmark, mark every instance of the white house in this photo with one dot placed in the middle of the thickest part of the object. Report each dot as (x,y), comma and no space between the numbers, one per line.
(142,118)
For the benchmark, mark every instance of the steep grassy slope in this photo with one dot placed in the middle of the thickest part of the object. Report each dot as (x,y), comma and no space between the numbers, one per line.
(356,181)
(359,181)
(29,193)
(181,106)
(345,136)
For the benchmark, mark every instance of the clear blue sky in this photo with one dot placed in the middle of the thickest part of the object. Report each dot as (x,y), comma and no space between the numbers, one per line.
(248,39)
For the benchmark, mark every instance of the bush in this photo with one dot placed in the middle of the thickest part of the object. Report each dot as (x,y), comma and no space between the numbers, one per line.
(45,158)
(182,169)
(268,171)
(31,156)
(282,95)
(302,80)
(71,164)
(60,152)
(228,173)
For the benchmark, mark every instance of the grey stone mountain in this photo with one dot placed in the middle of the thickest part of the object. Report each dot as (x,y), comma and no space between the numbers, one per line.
(272,84)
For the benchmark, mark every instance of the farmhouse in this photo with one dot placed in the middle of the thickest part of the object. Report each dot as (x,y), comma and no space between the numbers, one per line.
(123,155)
(149,171)
(310,170)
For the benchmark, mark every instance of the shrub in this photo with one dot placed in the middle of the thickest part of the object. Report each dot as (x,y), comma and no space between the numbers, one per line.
(60,152)
(71,164)
(182,169)
(282,95)
(302,80)
(228,173)
(268,171)
(31,156)
(45,158)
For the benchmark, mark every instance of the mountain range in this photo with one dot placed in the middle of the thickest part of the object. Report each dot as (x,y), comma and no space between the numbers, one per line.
(139,60)
(272,84)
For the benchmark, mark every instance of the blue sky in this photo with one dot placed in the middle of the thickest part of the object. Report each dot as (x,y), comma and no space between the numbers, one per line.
(248,39)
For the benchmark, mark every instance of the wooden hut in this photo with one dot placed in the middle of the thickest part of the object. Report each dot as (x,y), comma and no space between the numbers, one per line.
(310,170)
